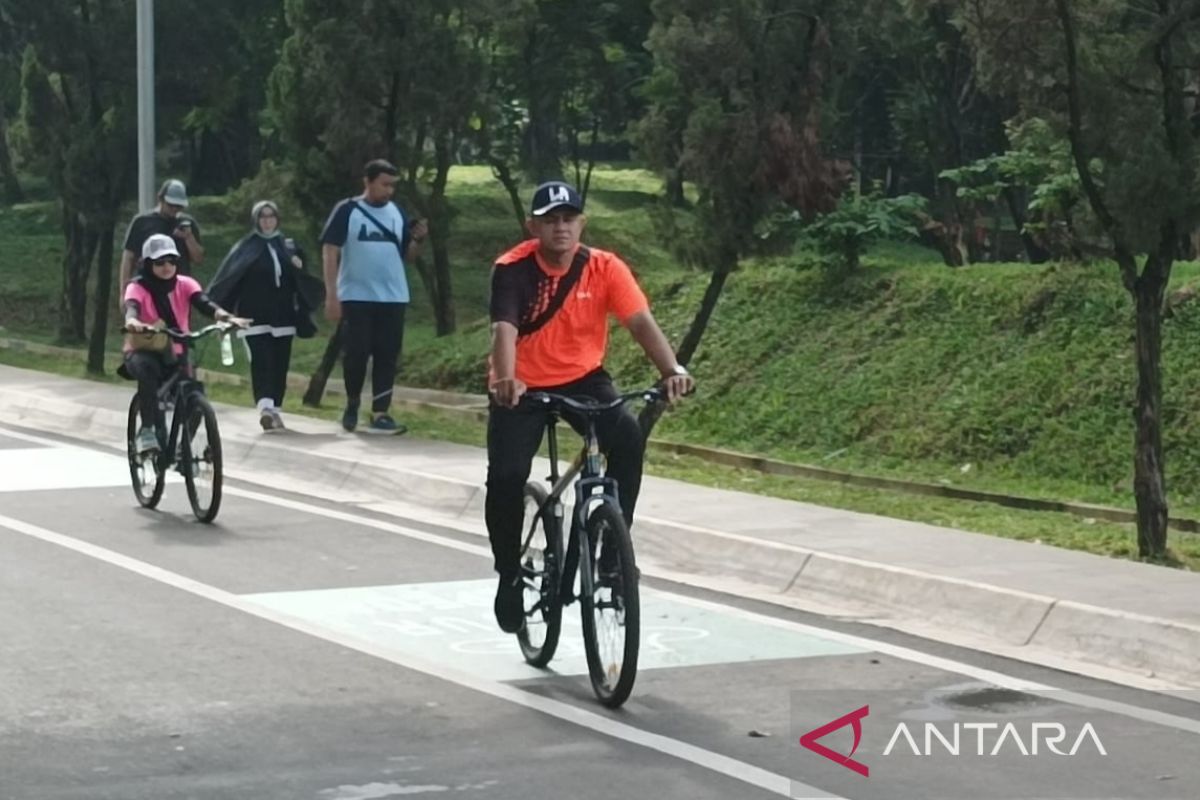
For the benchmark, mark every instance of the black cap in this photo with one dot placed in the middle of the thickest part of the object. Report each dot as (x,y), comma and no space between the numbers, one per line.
(555,194)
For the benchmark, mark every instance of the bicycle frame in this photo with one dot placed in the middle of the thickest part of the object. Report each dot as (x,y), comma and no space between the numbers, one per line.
(178,388)
(592,486)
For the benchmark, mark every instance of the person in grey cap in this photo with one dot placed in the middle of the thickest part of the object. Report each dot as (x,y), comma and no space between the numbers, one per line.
(167,218)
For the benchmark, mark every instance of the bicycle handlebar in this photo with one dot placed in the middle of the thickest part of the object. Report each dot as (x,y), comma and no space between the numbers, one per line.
(216,327)
(652,395)
(187,336)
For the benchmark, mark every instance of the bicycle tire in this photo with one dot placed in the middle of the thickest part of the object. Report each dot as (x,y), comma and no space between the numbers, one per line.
(612,673)
(191,462)
(539,641)
(141,466)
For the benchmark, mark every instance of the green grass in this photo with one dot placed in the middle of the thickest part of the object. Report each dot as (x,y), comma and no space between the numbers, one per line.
(1001,377)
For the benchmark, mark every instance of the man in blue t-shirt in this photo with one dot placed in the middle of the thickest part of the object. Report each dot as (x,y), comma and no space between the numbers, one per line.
(364,247)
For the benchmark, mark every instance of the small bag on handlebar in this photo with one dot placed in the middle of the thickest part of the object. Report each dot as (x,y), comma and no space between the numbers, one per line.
(148,341)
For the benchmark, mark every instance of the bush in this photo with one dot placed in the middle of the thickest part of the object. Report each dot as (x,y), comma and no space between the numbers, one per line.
(860,220)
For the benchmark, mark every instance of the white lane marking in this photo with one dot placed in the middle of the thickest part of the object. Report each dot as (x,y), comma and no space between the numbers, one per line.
(897,651)
(43,468)
(378,791)
(724,765)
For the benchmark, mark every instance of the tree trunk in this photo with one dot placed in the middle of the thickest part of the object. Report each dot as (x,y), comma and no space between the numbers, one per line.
(591,161)
(10,185)
(691,341)
(329,359)
(391,112)
(541,150)
(504,175)
(541,141)
(674,188)
(443,296)
(104,279)
(1016,207)
(1149,482)
(81,247)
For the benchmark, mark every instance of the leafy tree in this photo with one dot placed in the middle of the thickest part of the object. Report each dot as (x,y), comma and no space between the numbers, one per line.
(905,105)
(77,113)
(394,80)
(571,68)
(1039,167)
(739,85)
(10,80)
(1114,77)
(210,99)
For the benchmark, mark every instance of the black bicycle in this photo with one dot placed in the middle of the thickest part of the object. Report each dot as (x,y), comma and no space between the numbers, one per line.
(192,444)
(603,558)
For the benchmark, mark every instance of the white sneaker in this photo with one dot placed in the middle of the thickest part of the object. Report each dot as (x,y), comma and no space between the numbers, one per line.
(147,440)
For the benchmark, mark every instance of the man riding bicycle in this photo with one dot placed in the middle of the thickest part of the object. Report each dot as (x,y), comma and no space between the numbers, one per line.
(550,301)
(156,298)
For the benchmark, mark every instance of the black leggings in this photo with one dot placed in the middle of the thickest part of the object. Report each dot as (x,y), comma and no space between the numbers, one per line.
(514,436)
(149,370)
(375,331)
(270,357)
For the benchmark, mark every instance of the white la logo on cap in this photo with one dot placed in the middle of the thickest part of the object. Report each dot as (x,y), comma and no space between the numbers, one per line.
(560,194)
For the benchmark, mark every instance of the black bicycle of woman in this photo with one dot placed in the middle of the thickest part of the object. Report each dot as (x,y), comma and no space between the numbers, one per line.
(604,558)
(192,443)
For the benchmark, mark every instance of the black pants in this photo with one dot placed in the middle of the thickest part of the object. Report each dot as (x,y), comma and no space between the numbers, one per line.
(270,357)
(149,370)
(514,436)
(375,331)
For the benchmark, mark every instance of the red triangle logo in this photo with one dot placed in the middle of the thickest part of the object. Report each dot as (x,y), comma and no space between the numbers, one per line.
(854,719)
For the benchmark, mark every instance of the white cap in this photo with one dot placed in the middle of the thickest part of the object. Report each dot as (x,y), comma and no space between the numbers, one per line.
(159,245)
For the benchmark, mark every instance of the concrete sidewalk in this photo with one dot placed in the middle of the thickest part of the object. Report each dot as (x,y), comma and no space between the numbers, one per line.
(1109,618)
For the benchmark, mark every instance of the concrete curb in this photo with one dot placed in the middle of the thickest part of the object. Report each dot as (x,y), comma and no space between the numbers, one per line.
(1015,623)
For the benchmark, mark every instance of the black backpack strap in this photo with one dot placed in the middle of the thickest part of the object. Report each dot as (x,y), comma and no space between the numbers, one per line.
(388,234)
(565,284)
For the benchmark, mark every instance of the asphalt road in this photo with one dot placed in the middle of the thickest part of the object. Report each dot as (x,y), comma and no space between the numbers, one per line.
(301,649)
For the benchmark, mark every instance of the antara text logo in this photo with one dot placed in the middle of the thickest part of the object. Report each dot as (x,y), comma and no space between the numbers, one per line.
(986,739)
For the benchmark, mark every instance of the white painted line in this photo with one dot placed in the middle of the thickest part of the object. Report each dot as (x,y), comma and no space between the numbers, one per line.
(39,469)
(897,651)
(724,765)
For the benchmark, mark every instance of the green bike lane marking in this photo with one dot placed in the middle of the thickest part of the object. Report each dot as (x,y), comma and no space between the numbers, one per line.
(451,623)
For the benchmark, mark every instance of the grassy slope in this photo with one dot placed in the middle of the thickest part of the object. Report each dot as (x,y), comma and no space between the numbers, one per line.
(999,376)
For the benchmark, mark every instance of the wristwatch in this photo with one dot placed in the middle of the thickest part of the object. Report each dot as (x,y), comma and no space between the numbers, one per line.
(680,369)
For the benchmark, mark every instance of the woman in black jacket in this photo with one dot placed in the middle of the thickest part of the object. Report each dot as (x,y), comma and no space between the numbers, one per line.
(263,278)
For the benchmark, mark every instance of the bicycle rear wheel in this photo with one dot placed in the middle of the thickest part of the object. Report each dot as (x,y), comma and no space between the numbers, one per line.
(200,458)
(145,469)
(540,565)
(611,608)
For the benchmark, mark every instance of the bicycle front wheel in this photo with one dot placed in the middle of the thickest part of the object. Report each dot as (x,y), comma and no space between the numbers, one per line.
(200,458)
(541,562)
(144,468)
(610,607)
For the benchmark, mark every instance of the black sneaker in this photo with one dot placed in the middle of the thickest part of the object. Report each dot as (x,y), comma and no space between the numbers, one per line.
(509,605)
(385,425)
(350,418)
